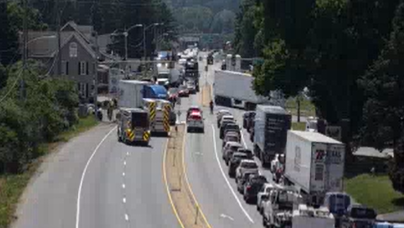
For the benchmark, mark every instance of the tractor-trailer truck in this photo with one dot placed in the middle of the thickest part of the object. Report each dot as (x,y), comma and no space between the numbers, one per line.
(130,93)
(235,89)
(270,130)
(314,164)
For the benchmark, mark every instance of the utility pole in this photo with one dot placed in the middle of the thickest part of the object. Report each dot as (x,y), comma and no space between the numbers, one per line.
(58,54)
(24,51)
(144,42)
(126,43)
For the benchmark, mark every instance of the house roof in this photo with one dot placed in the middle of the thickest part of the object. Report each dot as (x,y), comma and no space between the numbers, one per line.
(43,44)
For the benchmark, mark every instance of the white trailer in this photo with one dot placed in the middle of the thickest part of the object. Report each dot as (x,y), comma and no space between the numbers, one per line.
(235,89)
(130,93)
(314,164)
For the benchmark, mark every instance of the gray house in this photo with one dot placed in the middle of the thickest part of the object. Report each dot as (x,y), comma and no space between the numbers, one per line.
(78,55)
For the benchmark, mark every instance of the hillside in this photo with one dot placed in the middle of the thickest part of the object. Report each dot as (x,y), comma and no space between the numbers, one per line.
(205,16)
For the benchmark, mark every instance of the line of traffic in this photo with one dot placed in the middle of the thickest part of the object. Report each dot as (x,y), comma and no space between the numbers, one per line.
(225,177)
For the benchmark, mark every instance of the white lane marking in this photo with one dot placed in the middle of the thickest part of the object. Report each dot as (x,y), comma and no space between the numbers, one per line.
(84,174)
(242,139)
(123,186)
(126,217)
(127,153)
(124,200)
(225,178)
(198,153)
(226,216)
(123,174)
(124,162)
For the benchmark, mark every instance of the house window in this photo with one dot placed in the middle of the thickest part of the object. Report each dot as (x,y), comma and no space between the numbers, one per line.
(319,172)
(83,68)
(73,50)
(83,89)
(65,68)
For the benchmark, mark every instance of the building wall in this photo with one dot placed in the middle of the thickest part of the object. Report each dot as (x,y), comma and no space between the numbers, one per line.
(80,68)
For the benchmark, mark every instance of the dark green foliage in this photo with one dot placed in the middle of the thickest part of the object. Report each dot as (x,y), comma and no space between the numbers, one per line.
(48,110)
(384,107)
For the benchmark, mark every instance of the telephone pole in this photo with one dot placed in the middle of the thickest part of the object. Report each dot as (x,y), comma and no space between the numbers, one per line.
(58,55)
(24,51)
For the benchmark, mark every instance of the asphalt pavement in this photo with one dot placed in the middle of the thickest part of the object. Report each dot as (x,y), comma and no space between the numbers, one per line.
(207,173)
(100,182)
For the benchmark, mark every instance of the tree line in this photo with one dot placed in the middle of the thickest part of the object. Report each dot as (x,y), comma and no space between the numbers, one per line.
(347,53)
(49,105)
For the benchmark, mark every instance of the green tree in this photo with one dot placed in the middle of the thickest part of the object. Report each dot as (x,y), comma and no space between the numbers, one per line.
(8,37)
(384,107)
(195,18)
(223,22)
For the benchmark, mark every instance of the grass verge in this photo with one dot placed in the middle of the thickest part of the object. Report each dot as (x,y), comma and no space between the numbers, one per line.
(375,192)
(13,185)
(306,107)
(299,126)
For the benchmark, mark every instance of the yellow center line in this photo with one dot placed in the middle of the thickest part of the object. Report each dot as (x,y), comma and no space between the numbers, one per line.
(168,189)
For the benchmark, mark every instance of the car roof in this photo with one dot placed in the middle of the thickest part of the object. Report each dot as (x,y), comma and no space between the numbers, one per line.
(232,133)
(228,117)
(239,154)
(231,143)
(194,107)
(248,161)
(223,110)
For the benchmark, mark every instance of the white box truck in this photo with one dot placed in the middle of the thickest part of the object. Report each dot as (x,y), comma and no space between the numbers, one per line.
(314,164)
(130,93)
(235,89)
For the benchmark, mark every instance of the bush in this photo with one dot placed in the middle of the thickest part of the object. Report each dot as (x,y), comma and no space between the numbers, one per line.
(50,107)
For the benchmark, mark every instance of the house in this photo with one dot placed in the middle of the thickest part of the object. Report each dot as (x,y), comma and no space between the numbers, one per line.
(78,55)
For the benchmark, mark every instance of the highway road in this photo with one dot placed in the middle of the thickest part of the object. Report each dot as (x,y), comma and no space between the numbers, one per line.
(207,173)
(94,181)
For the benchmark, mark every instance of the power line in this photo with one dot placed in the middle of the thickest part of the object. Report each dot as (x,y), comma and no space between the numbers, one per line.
(12,87)
(102,3)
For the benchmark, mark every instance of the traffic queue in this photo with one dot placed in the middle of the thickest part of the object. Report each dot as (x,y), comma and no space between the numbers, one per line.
(305,188)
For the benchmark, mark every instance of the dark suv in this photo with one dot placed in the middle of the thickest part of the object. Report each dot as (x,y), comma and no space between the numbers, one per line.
(235,161)
(252,187)
(359,216)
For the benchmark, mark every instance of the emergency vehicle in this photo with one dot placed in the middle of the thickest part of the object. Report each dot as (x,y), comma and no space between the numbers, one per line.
(133,126)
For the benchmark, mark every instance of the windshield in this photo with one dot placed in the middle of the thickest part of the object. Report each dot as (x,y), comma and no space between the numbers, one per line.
(163,76)
(249,165)
(173,91)
(231,138)
(234,148)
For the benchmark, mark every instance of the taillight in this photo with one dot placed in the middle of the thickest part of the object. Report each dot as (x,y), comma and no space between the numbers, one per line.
(248,188)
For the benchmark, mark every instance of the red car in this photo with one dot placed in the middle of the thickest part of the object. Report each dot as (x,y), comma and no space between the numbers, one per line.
(183,91)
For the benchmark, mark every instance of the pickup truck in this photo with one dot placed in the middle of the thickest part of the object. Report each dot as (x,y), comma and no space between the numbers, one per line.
(246,166)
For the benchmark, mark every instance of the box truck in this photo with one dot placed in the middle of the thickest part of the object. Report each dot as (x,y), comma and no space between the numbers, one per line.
(270,130)
(234,89)
(130,93)
(314,164)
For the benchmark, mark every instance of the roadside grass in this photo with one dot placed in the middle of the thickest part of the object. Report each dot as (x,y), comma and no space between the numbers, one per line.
(299,126)
(12,185)
(376,192)
(306,107)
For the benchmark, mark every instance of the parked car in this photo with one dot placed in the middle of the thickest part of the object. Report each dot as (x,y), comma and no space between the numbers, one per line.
(248,152)
(183,91)
(252,187)
(225,118)
(230,148)
(235,162)
(358,216)
(242,179)
(221,113)
(231,137)
(229,127)
(246,165)
(194,109)
(191,86)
